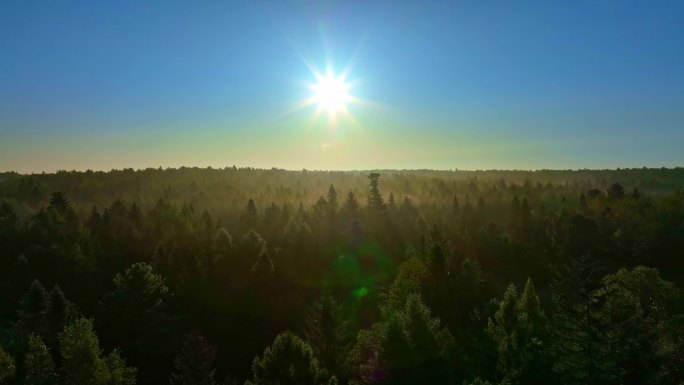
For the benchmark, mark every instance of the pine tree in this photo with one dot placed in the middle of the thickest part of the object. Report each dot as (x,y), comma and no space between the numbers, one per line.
(8,368)
(351,206)
(162,260)
(616,191)
(518,329)
(58,314)
(332,199)
(583,202)
(395,354)
(223,242)
(140,288)
(414,347)
(82,362)
(193,364)
(430,342)
(262,270)
(532,338)
(135,318)
(80,350)
(288,361)
(94,222)
(375,202)
(249,218)
(579,323)
(135,216)
(59,202)
(326,332)
(503,329)
(38,366)
(33,308)
(117,373)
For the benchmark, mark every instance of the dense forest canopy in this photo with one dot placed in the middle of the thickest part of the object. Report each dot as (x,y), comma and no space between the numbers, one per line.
(240,275)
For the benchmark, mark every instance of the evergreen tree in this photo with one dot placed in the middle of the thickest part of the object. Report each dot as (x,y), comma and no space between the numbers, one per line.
(80,350)
(288,361)
(375,201)
(616,191)
(193,364)
(33,308)
(94,222)
(58,314)
(332,199)
(117,373)
(645,315)
(8,368)
(579,323)
(38,366)
(414,348)
(59,202)
(326,332)
(135,318)
(139,288)
(351,206)
(223,242)
(262,270)
(249,218)
(503,329)
(82,362)
(518,329)
(395,356)
(583,202)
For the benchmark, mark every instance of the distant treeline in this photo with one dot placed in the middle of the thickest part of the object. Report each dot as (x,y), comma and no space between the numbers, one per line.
(207,276)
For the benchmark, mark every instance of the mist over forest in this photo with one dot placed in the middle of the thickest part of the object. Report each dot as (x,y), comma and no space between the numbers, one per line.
(255,276)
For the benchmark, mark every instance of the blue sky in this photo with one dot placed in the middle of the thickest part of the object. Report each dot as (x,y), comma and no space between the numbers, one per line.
(469,85)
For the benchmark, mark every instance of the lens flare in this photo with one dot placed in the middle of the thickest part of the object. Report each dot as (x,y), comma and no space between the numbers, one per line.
(330,93)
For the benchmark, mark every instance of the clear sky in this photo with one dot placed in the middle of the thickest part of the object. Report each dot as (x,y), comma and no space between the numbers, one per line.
(457,84)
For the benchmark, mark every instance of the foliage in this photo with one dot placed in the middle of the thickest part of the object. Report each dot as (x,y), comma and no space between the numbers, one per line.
(416,268)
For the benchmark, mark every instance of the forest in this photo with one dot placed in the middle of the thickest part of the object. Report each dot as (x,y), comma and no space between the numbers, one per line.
(203,276)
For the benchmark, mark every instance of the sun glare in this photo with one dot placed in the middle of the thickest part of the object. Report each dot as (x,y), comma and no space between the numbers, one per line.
(330,93)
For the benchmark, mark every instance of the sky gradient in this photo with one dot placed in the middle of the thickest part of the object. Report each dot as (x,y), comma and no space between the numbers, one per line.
(468,85)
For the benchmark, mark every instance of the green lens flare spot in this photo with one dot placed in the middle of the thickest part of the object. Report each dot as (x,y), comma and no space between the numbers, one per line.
(360,292)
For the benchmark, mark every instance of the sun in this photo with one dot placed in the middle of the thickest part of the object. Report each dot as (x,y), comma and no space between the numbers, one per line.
(330,93)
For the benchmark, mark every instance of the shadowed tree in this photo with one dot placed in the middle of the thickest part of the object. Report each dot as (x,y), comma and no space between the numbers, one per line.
(332,199)
(325,331)
(616,191)
(351,206)
(248,220)
(33,308)
(38,366)
(578,323)
(59,202)
(193,364)
(59,313)
(375,202)
(82,362)
(518,329)
(288,361)
(414,347)
(8,368)
(134,317)
(395,354)
(503,330)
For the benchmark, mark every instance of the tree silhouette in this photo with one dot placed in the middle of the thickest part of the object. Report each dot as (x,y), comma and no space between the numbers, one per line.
(375,202)
(33,308)
(193,364)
